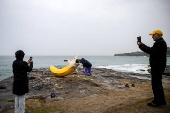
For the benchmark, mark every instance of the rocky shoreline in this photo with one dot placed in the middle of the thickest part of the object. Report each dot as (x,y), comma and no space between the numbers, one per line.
(42,83)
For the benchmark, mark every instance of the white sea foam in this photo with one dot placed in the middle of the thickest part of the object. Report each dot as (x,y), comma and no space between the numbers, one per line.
(134,68)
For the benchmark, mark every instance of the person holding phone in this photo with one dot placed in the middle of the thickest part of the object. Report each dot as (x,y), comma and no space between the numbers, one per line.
(20,83)
(157,62)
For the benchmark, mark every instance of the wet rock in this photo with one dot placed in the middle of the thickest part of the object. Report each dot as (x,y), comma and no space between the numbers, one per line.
(31,78)
(149,70)
(133,85)
(2,87)
(42,83)
(127,85)
(53,95)
(166,72)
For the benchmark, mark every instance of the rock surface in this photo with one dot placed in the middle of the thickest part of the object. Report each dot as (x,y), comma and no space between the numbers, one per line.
(42,84)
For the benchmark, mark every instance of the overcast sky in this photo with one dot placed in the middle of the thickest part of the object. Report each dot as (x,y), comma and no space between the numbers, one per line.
(80,27)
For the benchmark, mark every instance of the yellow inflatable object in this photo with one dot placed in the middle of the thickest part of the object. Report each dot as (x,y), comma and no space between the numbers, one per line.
(72,65)
(62,72)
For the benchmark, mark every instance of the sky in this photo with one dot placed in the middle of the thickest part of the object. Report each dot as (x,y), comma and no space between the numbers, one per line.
(80,27)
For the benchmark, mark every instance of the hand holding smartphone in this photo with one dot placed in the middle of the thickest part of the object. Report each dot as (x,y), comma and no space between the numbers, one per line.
(30,58)
(139,38)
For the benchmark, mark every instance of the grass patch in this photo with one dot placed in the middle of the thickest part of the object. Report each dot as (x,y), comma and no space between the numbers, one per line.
(43,110)
(11,100)
(36,105)
(141,107)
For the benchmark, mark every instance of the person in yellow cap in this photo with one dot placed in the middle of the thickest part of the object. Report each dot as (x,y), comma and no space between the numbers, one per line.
(157,62)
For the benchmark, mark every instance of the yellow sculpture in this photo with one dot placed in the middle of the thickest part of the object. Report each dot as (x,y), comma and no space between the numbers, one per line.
(68,69)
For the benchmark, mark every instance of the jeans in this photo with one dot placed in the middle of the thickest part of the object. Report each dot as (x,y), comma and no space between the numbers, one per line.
(87,71)
(19,103)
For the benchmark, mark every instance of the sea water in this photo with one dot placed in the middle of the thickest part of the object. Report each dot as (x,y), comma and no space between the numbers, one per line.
(118,63)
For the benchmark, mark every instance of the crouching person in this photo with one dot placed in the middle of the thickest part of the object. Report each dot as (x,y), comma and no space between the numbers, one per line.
(87,68)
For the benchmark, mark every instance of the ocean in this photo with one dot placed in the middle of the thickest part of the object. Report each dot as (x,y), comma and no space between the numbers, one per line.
(118,63)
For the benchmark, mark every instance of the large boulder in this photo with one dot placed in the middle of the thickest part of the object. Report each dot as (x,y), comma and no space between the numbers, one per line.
(166,72)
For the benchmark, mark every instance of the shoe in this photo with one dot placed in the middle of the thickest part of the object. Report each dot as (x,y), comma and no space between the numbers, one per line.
(84,78)
(127,85)
(89,79)
(154,105)
(164,103)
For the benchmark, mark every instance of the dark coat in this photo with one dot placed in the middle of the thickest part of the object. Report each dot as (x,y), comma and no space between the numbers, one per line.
(86,63)
(20,69)
(157,58)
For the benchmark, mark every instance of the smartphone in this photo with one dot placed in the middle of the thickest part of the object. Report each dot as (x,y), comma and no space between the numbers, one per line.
(139,38)
(30,58)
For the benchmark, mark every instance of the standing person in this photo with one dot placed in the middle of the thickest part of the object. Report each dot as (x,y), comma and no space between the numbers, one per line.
(157,63)
(87,68)
(20,83)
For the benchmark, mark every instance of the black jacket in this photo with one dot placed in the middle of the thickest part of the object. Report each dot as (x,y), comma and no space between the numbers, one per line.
(86,63)
(20,69)
(157,53)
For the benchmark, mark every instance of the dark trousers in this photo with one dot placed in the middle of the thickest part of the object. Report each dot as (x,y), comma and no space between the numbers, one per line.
(157,88)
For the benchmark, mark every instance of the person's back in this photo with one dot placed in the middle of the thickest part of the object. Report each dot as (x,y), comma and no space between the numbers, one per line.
(20,69)
(86,63)
(20,83)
